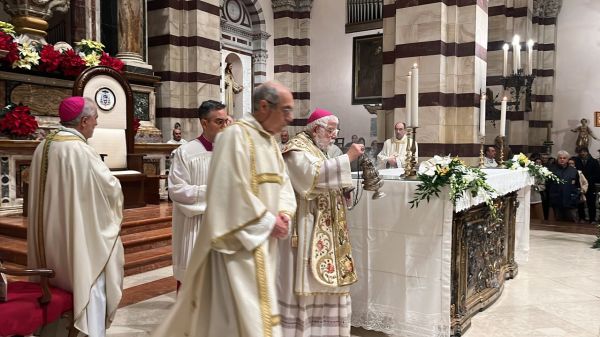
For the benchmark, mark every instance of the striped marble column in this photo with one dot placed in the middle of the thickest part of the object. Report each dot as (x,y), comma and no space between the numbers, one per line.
(184,49)
(291,27)
(448,40)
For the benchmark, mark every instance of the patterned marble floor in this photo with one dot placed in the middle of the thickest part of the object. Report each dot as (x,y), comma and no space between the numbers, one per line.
(557,293)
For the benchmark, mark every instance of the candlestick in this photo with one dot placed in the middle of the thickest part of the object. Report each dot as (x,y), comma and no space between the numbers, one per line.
(481,161)
(408,100)
(482,116)
(503,117)
(529,57)
(502,153)
(505,62)
(414,101)
(519,57)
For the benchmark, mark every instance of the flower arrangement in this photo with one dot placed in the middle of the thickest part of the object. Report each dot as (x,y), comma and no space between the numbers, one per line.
(17,121)
(438,172)
(539,172)
(24,54)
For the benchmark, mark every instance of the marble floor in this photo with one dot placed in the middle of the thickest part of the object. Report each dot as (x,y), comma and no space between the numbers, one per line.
(557,293)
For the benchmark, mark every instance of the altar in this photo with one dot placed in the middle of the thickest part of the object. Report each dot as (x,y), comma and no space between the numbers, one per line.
(424,272)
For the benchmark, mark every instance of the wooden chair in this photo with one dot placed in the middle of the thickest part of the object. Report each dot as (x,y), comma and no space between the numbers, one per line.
(114,135)
(30,305)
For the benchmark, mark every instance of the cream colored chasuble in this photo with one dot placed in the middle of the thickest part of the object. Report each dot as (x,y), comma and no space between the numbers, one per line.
(78,204)
(229,286)
(393,147)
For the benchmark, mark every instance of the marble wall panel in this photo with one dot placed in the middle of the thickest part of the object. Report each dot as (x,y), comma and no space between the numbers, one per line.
(466,134)
(429,134)
(495,61)
(451,65)
(480,74)
(302,108)
(284,27)
(497,28)
(431,31)
(432,115)
(519,132)
(160,20)
(431,82)
(544,110)
(303,28)
(389,78)
(431,64)
(467,14)
(496,3)
(537,136)
(406,33)
(450,116)
(420,14)
(467,116)
(451,85)
(389,33)
(403,65)
(451,32)
(481,27)
(548,59)
(466,32)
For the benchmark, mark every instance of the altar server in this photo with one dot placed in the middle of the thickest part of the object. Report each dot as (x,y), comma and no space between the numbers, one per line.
(393,153)
(316,266)
(229,286)
(75,214)
(187,183)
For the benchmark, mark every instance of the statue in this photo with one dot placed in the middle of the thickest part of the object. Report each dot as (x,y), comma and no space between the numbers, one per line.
(231,88)
(583,138)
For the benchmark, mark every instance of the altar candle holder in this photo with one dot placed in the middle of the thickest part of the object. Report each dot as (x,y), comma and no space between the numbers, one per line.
(410,167)
(502,153)
(481,161)
(408,153)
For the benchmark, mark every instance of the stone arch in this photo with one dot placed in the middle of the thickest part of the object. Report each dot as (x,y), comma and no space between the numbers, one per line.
(241,103)
(244,39)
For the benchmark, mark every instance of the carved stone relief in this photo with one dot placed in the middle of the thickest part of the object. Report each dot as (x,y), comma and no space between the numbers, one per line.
(25,93)
(546,8)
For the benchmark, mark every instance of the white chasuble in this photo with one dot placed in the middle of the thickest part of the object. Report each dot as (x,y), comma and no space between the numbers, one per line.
(394,147)
(75,212)
(229,286)
(187,190)
(324,256)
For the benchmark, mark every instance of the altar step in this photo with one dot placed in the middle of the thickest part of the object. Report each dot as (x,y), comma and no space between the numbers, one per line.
(145,232)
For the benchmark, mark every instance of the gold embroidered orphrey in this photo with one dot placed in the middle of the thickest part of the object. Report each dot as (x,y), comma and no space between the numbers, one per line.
(331,259)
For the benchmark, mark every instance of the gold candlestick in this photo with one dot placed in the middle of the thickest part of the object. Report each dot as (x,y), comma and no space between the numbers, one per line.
(410,167)
(407,164)
(502,152)
(481,162)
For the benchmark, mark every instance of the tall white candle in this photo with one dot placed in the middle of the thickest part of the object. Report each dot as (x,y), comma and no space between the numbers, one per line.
(482,116)
(505,63)
(530,57)
(408,100)
(503,117)
(414,100)
(519,66)
(516,51)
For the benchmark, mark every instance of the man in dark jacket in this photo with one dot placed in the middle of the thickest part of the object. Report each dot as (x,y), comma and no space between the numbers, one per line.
(591,170)
(563,197)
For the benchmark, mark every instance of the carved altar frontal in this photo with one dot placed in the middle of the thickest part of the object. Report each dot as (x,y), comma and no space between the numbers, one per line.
(483,257)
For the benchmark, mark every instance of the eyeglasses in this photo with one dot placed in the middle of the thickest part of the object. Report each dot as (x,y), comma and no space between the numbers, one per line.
(286,110)
(331,131)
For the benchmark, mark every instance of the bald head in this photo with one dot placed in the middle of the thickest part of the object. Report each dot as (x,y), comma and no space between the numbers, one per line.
(273,106)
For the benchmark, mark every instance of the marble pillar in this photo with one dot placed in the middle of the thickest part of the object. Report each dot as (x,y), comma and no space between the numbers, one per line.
(131,33)
(30,17)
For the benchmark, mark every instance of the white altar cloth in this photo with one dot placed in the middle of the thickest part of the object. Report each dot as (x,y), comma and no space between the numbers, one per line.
(402,255)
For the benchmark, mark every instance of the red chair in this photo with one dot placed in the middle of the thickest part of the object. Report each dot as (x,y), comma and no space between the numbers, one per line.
(30,305)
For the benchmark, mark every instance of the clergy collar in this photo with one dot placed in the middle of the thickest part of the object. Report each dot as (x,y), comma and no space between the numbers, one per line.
(73,131)
(396,140)
(208,145)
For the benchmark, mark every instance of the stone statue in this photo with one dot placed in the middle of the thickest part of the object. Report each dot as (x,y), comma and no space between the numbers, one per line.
(584,134)
(231,88)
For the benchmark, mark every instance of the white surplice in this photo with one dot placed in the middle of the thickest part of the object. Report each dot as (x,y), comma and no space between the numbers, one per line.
(78,204)
(229,286)
(314,278)
(187,189)
(394,147)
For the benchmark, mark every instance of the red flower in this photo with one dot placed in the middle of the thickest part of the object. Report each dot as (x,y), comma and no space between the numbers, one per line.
(136,124)
(19,122)
(49,59)
(113,62)
(7,43)
(71,63)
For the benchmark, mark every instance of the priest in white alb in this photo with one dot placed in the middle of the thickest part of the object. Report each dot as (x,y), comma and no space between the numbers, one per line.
(75,214)
(229,286)
(393,153)
(187,184)
(316,266)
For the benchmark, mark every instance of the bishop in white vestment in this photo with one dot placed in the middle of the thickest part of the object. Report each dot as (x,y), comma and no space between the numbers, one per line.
(229,286)
(316,265)
(393,153)
(75,214)
(187,184)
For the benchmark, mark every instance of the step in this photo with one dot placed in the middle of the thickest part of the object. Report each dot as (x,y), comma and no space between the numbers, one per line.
(140,241)
(147,260)
(13,226)
(137,226)
(13,250)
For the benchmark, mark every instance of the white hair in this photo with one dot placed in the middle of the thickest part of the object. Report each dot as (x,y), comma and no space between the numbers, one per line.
(563,153)
(89,108)
(323,121)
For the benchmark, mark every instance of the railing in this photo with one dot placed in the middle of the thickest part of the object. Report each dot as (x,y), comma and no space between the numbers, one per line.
(360,11)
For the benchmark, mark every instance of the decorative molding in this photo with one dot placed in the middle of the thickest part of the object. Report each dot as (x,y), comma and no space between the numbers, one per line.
(38,8)
(546,8)
(292,5)
(260,57)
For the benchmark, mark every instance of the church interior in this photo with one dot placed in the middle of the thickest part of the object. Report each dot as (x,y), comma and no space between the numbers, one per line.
(462,76)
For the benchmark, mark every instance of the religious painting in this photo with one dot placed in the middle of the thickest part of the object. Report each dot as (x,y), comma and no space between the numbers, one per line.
(367,61)
(597,119)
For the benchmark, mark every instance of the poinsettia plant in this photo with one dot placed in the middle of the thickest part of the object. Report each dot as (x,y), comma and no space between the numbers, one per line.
(24,54)
(17,121)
